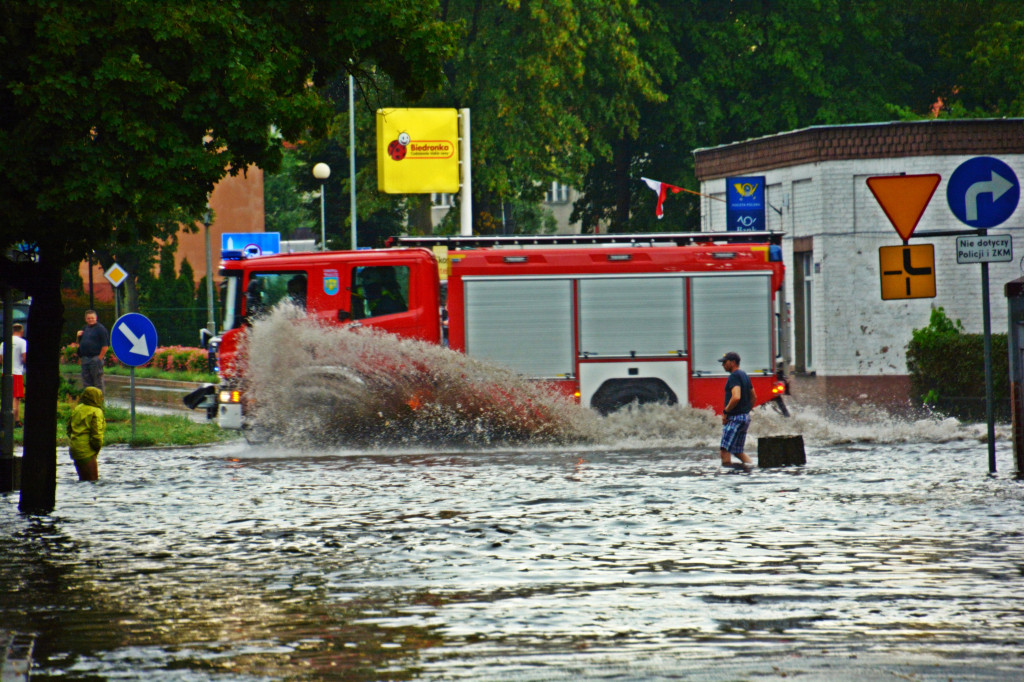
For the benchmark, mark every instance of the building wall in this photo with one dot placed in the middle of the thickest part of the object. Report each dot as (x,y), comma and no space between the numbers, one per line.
(825,204)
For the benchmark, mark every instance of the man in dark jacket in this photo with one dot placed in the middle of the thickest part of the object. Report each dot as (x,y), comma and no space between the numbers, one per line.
(93,341)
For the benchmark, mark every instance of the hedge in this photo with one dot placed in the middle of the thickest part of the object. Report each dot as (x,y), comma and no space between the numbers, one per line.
(947,367)
(167,358)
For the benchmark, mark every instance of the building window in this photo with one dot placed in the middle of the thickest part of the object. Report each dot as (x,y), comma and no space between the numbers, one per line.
(803,288)
(557,194)
(440,200)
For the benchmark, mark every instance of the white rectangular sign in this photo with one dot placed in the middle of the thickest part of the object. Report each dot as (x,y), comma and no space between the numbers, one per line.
(993,248)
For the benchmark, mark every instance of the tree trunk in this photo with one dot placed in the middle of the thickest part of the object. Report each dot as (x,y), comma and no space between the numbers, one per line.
(420,215)
(42,379)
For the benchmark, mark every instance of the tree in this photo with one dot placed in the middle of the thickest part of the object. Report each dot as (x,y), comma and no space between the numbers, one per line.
(170,300)
(541,78)
(733,70)
(737,69)
(115,113)
(289,209)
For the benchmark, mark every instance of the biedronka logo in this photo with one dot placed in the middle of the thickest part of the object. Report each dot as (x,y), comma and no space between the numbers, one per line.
(405,148)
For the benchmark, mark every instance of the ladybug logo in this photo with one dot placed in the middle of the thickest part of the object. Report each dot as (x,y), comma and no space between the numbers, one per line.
(398,148)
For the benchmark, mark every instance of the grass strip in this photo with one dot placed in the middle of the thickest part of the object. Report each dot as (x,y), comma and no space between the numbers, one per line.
(150,373)
(151,430)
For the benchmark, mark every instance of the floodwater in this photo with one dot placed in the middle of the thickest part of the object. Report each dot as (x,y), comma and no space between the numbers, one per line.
(622,553)
(892,554)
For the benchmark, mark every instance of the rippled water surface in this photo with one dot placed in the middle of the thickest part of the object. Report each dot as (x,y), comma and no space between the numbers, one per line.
(891,555)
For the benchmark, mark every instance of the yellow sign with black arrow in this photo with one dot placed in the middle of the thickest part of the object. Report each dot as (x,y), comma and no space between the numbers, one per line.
(907,271)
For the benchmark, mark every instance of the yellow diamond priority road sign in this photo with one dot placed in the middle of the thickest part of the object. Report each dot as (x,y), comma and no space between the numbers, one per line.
(907,271)
(116,275)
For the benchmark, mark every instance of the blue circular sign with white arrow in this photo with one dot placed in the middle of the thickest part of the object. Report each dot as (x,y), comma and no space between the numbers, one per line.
(133,339)
(983,192)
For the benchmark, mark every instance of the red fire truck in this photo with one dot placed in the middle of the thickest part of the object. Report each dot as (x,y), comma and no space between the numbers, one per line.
(608,319)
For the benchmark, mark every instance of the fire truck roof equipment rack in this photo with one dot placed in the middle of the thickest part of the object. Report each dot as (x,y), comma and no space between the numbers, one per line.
(635,239)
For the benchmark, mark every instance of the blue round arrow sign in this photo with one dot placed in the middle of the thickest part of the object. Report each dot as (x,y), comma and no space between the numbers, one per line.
(983,192)
(133,339)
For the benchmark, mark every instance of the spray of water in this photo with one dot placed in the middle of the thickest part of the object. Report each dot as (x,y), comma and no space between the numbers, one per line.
(321,385)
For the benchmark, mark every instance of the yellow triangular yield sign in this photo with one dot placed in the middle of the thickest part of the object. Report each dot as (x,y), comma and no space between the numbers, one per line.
(904,198)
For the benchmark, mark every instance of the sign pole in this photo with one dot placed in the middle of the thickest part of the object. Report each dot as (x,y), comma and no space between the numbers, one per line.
(352,158)
(132,390)
(466,191)
(989,392)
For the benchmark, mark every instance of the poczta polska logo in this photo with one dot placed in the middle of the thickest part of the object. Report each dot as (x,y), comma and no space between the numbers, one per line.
(405,148)
(745,190)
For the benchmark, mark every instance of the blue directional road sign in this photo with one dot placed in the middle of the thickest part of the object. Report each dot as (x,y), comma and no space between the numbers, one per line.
(983,192)
(251,243)
(133,339)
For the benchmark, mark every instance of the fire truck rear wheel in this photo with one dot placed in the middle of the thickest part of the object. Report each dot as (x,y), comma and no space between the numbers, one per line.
(618,393)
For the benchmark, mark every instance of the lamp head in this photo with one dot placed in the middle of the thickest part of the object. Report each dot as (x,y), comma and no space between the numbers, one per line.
(321,171)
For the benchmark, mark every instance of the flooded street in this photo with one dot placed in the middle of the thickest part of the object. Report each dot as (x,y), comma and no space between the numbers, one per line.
(891,555)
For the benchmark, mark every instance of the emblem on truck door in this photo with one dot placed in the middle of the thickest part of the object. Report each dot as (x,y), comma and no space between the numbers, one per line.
(331,282)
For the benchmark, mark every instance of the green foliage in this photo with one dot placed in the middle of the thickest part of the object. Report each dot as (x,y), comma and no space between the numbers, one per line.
(171,300)
(68,390)
(947,365)
(288,208)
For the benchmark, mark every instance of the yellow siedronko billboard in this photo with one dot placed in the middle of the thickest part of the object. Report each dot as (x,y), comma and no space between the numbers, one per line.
(417,151)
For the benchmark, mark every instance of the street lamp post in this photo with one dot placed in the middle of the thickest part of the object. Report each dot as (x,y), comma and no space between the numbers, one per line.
(211,324)
(321,172)
(352,157)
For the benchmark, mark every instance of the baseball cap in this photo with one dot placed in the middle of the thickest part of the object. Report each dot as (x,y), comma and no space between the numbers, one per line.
(735,357)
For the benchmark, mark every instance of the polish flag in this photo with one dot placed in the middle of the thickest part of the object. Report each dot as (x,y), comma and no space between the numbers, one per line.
(662,188)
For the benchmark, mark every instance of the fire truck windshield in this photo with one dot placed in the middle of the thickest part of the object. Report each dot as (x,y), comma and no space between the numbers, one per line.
(230,301)
(266,289)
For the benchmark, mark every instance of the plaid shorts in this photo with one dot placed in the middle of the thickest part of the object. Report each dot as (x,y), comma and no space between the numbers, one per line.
(734,433)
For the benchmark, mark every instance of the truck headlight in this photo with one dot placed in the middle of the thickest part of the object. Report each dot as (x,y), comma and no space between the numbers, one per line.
(227,397)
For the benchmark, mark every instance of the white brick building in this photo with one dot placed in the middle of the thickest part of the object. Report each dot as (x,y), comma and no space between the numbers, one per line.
(841,340)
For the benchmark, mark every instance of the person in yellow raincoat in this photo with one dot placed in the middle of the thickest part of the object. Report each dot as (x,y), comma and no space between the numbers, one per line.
(85,429)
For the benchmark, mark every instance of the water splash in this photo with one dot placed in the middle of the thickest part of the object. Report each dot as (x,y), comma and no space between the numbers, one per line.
(317,385)
(685,427)
(321,384)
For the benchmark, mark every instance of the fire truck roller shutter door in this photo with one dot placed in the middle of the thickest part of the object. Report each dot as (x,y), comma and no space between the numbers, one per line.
(522,323)
(635,316)
(732,312)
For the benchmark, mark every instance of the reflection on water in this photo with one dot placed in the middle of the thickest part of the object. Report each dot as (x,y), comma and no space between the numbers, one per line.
(892,554)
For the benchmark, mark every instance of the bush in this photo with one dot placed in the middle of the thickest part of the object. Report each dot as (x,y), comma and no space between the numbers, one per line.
(67,390)
(168,359)
(947,367)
